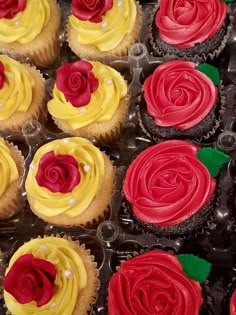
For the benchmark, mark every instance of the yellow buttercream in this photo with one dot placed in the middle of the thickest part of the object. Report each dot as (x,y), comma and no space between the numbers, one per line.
(16,93)
(107,35)
(75,202)
(8,168)
(103,104)
(63,255)
(26,25)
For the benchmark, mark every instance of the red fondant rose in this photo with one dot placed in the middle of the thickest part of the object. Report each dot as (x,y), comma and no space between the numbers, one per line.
(2,75)
(77,82)
(58,173)
(167,183)
(153,283)
(90,10)
(9,8)
(31,279)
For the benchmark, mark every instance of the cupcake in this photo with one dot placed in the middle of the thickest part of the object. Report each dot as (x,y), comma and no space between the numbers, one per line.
(22,94)
(181,100)
(158,282)
(11,171)
(102,28)
(170,188)
(70,182)
(89,100)
(28,30)
(193,30)
(50,275)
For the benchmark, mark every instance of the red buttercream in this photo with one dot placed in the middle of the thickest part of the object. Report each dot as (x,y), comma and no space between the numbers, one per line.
(90,10)
(185,23)
(166,183)
(153,283)
(178,95)
(2,75)
(233,304)
(31,279)
(9,8)
(58,173)
(77,82)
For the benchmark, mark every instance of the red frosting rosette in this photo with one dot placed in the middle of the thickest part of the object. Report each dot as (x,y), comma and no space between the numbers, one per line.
(185,23)
(167,183)
(233,304)
(178,95)
(153,283)
(9,8)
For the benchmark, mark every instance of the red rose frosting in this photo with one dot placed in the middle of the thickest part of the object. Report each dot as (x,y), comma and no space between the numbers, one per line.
(178,95)
(185,23)
(31,279)
(90,10)
(233,304)
(58,173)
(166,183)
(9,8)
(2,75)
(153,283)
(77,82)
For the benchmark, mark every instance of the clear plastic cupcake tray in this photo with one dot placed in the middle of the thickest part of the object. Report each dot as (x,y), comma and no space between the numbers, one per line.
(117,236)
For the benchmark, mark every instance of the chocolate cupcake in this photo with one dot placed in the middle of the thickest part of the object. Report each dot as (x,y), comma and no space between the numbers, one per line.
(170,187)
(190,30)
(181,100)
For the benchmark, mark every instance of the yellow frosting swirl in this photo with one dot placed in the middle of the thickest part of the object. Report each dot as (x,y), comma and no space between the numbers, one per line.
(103,104)
(8,168)
(62,254)
(107,35)
(16,93)
(91,167)
(26,25)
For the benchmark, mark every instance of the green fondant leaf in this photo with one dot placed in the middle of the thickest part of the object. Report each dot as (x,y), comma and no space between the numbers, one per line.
(213,159)
(210,71)
(194,267)
(226,0)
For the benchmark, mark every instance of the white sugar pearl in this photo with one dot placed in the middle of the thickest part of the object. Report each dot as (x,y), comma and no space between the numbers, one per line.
(120,3)
(42,247)
(82,109)
(72,201)
(68,274)
(66,141)
(1,105)
(53,305)
(16,23)
(104,24)
(109,81)
(87,168)
(32,165)
(10,75)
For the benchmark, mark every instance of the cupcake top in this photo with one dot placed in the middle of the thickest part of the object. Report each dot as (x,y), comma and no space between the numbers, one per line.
(44,276)
(153,283)
(16,22)
(179,95)
(86,92)
(167,183)
(64,176)
(8,169)
(103,24)
(233,304)
(185,24)
(16,87)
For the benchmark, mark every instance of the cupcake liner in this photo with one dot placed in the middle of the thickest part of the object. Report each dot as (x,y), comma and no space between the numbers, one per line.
(90,52)
(197,57)
(11,199)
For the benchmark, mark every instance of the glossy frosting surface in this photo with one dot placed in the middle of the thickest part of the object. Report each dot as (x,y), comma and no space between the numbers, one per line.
(178,95)
(115,24)
(16,92)
(185,23)
(62,254)
(233,304)
(166,183)
(26,25)
(8,168)
(103,103)
(153,283)
(90,166)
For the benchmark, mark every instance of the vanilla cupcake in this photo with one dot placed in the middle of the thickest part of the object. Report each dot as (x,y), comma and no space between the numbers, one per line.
(29,30)
(89,100)
(70,182)
(103,28)
(11,171)
(22,94)
(51,275)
